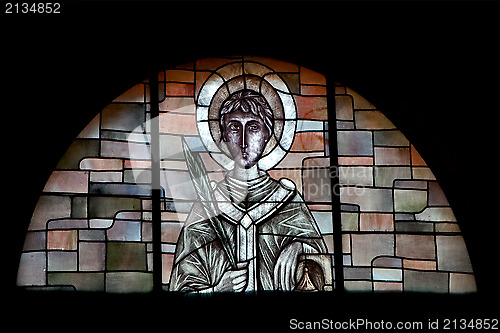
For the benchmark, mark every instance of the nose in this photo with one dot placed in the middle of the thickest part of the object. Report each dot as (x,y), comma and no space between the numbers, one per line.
(244,140)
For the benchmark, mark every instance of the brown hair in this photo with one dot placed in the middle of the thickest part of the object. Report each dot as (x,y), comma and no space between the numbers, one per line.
(248,101)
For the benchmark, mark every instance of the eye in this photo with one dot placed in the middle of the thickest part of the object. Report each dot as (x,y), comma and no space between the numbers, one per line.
(234,127)
(253,127)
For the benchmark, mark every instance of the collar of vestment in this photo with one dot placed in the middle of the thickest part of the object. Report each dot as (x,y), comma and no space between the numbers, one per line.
(271,195)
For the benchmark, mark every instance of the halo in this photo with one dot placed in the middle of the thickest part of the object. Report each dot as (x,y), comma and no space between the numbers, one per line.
(229,79)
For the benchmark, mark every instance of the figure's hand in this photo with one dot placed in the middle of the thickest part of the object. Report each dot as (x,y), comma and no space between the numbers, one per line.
(235,280)
(284,270)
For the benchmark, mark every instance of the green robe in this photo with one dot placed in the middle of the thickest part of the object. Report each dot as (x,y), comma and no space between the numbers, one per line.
(274,210)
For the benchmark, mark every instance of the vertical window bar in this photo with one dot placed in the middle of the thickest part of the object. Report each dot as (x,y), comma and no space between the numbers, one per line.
(155,182)
(338,257)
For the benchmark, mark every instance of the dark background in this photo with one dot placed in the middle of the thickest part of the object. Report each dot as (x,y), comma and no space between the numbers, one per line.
(431,67)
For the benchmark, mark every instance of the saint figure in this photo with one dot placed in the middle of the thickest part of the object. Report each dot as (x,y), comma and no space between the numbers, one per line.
(265,222)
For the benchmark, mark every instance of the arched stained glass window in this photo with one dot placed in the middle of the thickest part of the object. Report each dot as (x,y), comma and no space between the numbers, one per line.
(247,165)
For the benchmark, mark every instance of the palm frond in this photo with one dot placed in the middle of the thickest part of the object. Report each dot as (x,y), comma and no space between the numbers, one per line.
(203,189)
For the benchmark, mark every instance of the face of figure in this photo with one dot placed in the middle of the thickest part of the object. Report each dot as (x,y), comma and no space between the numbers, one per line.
(246,136)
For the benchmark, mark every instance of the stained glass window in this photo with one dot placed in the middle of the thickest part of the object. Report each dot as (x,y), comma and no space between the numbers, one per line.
(152,193)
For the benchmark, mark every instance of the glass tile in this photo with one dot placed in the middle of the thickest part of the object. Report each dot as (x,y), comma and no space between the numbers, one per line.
(312,90)
(415,246)
(184,105)
(100,223)
(312,108)
(178,75)
(452,254)
(107,207)
(356,175)
(372,120)
(62,240)
(123,117)
(92,235)
(34,241)
(79,281)
(32,269)
(67,181)
(366,247)
(106,176)
(101,164)
(359,101)
(125,256)
(410,184)
(423,281)
(387,262)
(387,274)
(392,156)
(61,261)
(256,69)
(416,159)
(345,125)
(79,207)
(308,76)
(385,176)
(409,201)
(358,286)
(345,160)
(78,150)
(408,226)
(308,141)
(129,150)
(344,107)
(180,124)
(422,173)
(129,282)
(376,222)
(324,221)
(67,224)
(462,283)
(170,231)
(317,185)
(50,207)
(120,189)
(179,89)
(167,263)
(423,265)
(390,138)
(309,125)
(368,199)
(177,184)
(293,82)
(447,228)
(91,256)
(350,221)
(355,143)
(436,195)
(357,273)
(387,286)
(125,231)
(437,214)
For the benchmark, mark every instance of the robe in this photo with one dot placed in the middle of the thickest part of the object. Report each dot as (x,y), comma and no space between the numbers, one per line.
(260,217)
